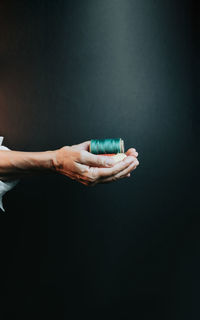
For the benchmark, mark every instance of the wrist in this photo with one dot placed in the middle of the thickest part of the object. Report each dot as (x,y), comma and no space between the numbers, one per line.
(54,162)
(57,158)
(50,161)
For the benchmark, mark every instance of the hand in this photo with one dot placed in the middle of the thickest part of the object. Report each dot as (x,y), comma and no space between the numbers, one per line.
(89,169)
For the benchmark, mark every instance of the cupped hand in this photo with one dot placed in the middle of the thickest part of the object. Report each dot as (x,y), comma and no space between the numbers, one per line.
(79,164)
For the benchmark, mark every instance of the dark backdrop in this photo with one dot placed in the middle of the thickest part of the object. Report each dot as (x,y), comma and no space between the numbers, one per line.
(75,70)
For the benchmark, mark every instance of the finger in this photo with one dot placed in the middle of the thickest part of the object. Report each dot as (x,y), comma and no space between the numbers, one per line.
(81,168)
(82,146)
(94,160)
(128,170)
(131,152)
(122,174)
(107,172)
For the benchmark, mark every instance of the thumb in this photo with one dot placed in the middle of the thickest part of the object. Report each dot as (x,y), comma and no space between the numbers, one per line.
(82,146)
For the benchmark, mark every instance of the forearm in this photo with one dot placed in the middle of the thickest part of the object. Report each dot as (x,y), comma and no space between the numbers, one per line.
(16,164)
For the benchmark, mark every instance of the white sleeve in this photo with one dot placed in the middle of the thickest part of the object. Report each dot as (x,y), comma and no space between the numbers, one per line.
(5,186)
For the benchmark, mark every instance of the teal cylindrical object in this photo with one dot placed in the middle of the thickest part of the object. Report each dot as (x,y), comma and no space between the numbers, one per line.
(107,146)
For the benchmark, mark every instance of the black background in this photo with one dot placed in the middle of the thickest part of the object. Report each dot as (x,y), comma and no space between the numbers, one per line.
(75,70)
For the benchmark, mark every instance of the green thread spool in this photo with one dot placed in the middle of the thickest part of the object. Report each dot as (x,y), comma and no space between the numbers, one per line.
(107,146)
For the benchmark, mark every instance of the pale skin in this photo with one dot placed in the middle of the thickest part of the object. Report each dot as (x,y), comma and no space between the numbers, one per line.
(75,162)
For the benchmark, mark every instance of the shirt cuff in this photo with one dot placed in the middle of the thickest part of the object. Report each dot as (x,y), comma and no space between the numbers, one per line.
(5,186)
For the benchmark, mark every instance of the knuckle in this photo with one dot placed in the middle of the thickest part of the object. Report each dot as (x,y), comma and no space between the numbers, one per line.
(91,179)
(84,170)
(76,167)
(81,155)
(92,175)
(101,161)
